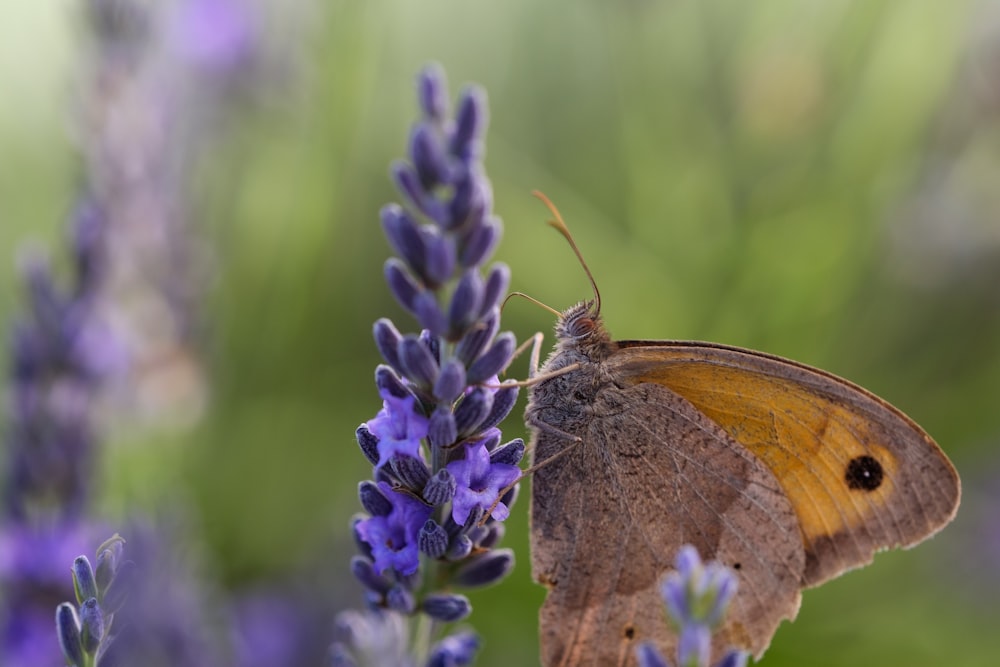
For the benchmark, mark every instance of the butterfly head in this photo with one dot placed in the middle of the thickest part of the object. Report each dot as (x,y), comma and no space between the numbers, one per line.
(581,323)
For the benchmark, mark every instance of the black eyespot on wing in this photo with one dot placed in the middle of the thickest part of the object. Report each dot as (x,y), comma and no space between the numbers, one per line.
(737,566)
(629,632)
(865,473)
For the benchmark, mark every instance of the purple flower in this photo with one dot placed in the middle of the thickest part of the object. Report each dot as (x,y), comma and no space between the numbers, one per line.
(398,427)
(433,440)
(480,483)
(393,538)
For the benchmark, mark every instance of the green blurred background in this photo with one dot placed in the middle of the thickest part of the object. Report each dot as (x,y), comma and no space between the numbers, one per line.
(818,180)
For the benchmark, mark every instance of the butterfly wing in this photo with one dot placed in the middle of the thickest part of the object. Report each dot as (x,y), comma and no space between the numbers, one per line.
(860,475)
(649,473)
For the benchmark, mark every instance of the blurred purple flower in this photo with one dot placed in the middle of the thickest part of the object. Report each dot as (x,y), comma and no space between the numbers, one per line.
(697,596)
(215,36)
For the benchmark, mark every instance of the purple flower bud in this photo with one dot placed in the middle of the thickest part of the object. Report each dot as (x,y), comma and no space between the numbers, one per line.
(409,184)
(647,655)
(429,314)
(441,257)
(442,431)
(372,499)
(428,156)
(107,564)
(496,286)
(477,338)
(401,600)
(68,629)
(485,569)
(432,92)
(503,402)
(458,650)
(470,122)
(509,454)
(364,571)
(479,244)
(404,236)
(446,607)
(494,533)
(494,360)
(84,583)
(402,284)
(91,626)
(411,471)
(433,539)
(470,412)
(440,489)
(368,443)
(389,384)
(387,339)
(419,364)
(450,381)
(463,201)
(466,302)
(433,344)
(460,547)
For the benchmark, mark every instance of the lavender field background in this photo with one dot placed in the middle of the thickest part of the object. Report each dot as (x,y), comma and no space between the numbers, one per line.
(817,180)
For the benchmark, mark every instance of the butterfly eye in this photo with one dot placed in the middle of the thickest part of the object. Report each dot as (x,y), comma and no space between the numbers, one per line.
(581,327)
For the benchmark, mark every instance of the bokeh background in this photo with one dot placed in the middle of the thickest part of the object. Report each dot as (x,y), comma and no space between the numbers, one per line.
(818,180)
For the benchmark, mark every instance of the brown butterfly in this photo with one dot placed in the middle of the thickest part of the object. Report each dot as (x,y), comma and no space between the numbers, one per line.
(786,474)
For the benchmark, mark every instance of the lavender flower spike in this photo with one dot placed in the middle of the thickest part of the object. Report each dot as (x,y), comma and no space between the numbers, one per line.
(443,477)
(697,596)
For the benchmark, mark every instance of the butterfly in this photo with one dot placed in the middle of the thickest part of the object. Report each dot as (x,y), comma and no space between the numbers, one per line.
(784,473)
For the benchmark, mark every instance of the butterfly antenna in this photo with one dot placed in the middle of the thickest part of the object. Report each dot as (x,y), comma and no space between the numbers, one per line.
(532,300)
(561,227)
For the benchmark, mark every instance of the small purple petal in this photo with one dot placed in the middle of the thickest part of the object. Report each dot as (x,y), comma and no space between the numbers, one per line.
(442,256)
(446,607)
(442,431)
(432,93)
(433,539)
(479,244)
(91,625)
(440,489)
(402,285)
(504,400)
(509,454)
(429,313)
(405,237)
(496,286)
(418,363)
(485,569)
(470,123)
(68,630)
(466,302)
(478,337)
(373,500)
(458,650)
(450,381)
(470,412)
(368,443)
(428,156)
(364,571)
(494,360)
